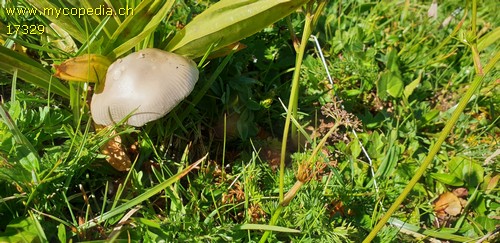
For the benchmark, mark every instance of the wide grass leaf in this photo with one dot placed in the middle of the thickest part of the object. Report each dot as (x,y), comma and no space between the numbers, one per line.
(268,227)
(442,234)
(20,230)
(30,71)
(227,22)
(447,179)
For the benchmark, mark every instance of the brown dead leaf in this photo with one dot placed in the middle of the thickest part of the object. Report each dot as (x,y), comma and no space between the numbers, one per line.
(492,183)
(461,192)
(447,204)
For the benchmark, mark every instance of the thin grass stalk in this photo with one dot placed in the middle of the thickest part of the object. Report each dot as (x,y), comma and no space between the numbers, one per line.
(473,42)
(14,86)
(274,218)
(474,17)
(294,96)
(478,78)
(224,142)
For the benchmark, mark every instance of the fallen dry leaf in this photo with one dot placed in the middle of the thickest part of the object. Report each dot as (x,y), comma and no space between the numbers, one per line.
(461,192)
(447,203)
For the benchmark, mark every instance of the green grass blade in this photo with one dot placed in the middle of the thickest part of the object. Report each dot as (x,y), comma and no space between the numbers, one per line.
(147,16)
(436,234)
(147,30)
(293,102)
(93,36)
(206,86)
(267,228)
(110,25)
(39,229)
(30,71)
(141,198)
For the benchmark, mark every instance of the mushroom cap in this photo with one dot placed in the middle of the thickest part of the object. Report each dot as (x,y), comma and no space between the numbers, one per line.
(145,85)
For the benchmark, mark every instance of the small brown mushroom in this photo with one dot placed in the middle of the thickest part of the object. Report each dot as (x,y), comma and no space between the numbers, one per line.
(145,85)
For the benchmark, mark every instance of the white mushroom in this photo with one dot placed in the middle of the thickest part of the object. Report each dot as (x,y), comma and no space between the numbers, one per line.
(145,85)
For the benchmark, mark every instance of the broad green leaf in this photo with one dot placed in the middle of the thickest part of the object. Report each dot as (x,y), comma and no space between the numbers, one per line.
(390,83)
(412,86)
(486,222)
(456,166)
(20,230)
(227,22)
(392,60)
(466,170)
(447,179)
(382,85)
(389,163)
(355,148)
(395,85)
(473,173)
(376,145)
(30,71)
(267,227)
(429,116)
(61,233)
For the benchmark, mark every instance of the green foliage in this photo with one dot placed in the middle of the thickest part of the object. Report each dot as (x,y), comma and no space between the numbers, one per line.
(31,71)
(401,73)
(20,230)
(227,22)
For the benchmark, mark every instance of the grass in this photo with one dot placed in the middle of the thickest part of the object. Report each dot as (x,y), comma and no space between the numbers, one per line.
(265,148)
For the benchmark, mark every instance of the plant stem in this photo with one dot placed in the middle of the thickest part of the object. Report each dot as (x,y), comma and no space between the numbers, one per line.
(294,97)
(272,222)
(474,17)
